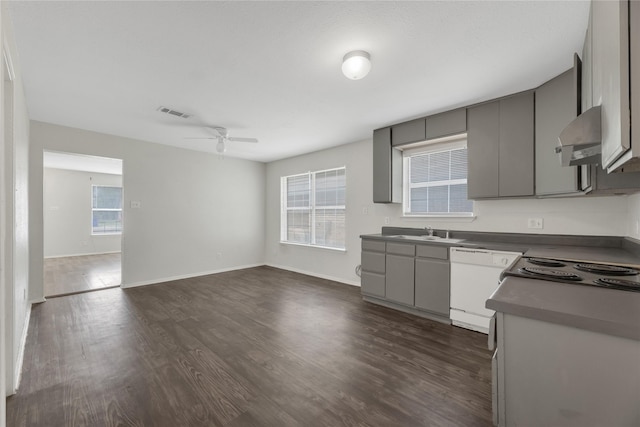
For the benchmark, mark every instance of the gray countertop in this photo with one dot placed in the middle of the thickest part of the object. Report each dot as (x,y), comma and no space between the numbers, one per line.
(586,307)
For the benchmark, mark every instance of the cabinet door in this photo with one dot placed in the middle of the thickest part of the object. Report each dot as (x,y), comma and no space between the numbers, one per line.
(445,124)
(555,108)
(399,281)
(610,48)
(587,76)
(483,145)
(634,49)
(432,285)
(516,164)
(372,284)
(387,169)
(408,132)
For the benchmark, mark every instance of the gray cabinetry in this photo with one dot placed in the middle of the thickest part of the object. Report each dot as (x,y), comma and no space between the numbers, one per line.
(408,132)
(516,145)
(407,277)
(558,378)
(556,106)
(372,280)
(610,73)
(501,147)
(432,289)
(387,168)
(400,273)
(483,148)
(446,124)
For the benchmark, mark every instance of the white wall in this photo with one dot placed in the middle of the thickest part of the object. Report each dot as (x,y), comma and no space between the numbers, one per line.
(633,216)
(15,213)
(578,215)
(67,214)
(200,213)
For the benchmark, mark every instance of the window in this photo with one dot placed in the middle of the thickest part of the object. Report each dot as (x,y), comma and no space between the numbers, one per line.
(106,210)
(313,208)
(435,180)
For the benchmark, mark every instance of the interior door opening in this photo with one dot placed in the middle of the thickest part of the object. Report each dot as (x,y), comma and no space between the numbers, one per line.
(83,220)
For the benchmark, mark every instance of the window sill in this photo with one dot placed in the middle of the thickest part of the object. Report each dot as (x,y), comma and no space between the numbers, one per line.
(441,218)
(313,246)
(106,234)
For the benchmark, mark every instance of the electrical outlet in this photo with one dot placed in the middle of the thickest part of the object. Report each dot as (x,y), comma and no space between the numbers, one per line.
(535,223)
(136,204)
(365,211)
(386,220)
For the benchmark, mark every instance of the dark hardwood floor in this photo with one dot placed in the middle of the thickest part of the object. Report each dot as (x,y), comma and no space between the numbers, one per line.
(255,347)
(67,275)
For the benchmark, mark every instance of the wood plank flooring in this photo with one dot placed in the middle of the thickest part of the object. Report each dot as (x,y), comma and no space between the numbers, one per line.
(75,274)
(255,347)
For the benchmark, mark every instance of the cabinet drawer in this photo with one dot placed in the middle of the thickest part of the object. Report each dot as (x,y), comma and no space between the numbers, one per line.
(401,249)
(373,245)
(373,284)
(425,251)
(373,262)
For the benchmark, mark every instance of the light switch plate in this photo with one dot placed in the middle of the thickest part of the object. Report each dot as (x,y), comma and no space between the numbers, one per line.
(535,223)
(136,204)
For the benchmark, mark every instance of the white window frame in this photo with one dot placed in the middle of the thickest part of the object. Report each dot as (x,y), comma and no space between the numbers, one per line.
(93,233)
(284,209)
(430,147)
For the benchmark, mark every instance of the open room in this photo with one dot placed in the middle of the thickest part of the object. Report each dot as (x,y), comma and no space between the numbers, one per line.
(221,213)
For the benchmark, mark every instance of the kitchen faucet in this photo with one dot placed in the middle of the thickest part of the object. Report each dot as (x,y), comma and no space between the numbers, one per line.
(429,231)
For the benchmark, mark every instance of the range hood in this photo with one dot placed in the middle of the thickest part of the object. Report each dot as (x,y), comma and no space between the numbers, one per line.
(581,140)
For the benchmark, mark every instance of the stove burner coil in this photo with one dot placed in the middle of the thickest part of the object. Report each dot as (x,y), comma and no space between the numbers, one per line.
(608,270)
(545,262)
(614,283)
(554,274)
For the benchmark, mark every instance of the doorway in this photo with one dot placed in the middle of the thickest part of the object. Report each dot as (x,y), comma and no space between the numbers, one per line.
(83,217)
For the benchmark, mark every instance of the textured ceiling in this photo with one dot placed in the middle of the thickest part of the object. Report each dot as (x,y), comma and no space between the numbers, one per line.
(271,70)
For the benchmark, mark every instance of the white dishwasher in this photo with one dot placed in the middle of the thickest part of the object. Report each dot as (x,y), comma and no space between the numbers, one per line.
(475,275)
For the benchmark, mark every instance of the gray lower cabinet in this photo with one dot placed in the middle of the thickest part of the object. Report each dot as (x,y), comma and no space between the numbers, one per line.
(500,145)
(400,272)
(372,278)
(432,289)
(387,168)
(558,379)
(407,277)
(400,275)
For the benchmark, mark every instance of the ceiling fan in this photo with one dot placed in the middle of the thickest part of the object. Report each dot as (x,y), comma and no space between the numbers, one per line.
(223,137)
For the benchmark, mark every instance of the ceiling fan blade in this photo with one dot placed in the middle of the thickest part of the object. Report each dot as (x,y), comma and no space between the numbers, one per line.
(242,139)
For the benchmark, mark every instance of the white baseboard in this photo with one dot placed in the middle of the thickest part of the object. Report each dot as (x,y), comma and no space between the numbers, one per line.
(187,276)
(311,273)
(83,254)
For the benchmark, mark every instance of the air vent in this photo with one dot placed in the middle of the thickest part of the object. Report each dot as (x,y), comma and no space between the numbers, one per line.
(173,112)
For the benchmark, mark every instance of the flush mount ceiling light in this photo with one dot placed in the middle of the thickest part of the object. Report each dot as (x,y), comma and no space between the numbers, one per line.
(356,64)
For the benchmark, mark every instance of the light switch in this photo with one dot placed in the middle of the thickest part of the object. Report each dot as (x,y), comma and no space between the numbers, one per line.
(135,204)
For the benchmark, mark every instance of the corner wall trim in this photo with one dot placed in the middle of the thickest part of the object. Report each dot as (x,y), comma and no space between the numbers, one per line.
(186,276)
(311,273)
(17,375)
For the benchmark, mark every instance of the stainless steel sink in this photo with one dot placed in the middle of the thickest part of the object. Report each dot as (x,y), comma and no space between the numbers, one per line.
(426,238)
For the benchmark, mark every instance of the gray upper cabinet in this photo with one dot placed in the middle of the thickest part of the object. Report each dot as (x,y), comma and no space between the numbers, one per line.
(610,72)
(501,147)
(634,49)
(556,107)
(446,124)
(408,132)
(516,145)
(483,149)
(387,168)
